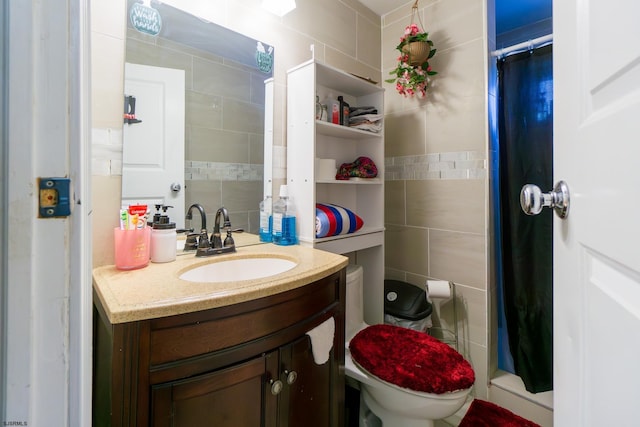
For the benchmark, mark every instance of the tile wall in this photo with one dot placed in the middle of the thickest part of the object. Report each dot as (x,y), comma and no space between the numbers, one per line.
(436,168)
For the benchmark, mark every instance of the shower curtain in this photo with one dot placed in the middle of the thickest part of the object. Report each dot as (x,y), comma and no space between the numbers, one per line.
(525,126)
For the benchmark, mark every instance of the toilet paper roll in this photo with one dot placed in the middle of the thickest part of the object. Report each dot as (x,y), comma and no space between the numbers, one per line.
(438,289)
(326,169)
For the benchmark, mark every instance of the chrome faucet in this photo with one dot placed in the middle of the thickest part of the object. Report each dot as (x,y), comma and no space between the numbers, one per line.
(197,240)
(217,245)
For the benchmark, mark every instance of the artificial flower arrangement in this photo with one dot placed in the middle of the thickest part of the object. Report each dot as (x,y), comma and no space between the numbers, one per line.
(412,71)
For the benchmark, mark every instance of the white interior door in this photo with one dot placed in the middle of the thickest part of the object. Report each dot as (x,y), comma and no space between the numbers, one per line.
(596,256)
(153,151)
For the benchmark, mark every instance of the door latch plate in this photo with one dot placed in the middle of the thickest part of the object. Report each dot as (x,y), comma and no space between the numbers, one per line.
(54,197)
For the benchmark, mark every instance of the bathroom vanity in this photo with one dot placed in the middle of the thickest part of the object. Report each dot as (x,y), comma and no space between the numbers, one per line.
(173,353)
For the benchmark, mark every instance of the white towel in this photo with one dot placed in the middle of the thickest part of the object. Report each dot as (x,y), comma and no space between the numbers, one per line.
(322,340)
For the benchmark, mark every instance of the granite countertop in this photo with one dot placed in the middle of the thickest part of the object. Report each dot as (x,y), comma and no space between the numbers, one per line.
(157,291)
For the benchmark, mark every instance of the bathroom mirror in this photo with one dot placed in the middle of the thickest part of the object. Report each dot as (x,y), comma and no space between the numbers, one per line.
(217,112)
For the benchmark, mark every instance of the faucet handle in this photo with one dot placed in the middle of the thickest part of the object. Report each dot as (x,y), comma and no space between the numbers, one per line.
(228,241)
(191,243)
(203,239)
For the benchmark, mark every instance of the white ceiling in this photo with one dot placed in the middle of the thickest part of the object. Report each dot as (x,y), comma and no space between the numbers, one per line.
(382,7)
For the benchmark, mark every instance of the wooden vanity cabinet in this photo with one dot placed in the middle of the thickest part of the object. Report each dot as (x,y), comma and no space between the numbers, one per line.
(231,396)
(248,364)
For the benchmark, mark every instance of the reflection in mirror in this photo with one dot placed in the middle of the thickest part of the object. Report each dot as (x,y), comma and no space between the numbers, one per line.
(210,129)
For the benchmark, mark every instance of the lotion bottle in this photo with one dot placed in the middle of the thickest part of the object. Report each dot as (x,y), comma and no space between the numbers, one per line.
(163,238)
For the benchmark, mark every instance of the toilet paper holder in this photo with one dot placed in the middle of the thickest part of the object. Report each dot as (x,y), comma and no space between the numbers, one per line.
(447,335)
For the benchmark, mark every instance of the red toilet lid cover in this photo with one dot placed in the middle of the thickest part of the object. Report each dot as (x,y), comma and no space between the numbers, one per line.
(411,359)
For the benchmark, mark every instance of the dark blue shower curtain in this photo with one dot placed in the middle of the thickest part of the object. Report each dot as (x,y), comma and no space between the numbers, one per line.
(525,126)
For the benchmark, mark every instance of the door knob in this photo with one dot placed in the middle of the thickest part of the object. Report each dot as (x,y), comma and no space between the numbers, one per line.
(176,187)
(532,199)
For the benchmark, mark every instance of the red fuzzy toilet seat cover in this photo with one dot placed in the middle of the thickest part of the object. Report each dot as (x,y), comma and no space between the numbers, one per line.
(411,359)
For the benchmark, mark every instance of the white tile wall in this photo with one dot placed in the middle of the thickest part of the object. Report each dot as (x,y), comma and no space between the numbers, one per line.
(219,171)
(455,165)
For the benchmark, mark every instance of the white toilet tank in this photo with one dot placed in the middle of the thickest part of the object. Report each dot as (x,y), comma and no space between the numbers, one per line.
(353,304)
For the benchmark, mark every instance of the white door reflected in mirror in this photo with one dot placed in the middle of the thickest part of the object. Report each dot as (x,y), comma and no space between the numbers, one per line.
(153,147)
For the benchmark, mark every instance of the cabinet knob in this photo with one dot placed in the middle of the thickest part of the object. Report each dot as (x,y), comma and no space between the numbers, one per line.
(276,386)
(291,376)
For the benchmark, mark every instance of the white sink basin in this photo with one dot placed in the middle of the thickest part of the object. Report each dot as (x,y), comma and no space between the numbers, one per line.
(237,269)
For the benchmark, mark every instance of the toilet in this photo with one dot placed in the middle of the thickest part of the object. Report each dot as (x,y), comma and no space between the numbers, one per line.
(394,404)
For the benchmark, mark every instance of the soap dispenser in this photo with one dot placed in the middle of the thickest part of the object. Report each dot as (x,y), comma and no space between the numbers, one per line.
(163,236)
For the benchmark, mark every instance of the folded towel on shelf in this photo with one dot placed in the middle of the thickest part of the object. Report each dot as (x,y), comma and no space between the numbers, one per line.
(357,111)
(365,118)
(369,127)
(369,122)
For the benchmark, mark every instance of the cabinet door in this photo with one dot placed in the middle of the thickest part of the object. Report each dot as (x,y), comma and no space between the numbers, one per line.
(233,397)
(308,387)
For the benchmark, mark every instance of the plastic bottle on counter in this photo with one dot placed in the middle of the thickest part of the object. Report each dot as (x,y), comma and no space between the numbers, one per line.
(284,220)
(163,237)
(266,219)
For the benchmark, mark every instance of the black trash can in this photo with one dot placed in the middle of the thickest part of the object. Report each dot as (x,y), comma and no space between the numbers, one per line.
(406,305)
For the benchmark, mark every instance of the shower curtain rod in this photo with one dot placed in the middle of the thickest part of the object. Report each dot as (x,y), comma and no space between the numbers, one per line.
(523,47)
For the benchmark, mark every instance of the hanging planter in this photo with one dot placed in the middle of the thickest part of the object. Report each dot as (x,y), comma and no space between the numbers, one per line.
(412,72)
(418,52)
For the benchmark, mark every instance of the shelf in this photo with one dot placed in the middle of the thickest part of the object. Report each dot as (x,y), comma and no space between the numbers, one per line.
(339,131)
(351,181)
(309,139)
(345,243)
(361,232)
(344,82)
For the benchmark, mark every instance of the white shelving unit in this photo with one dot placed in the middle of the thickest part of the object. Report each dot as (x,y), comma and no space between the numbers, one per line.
(308,139)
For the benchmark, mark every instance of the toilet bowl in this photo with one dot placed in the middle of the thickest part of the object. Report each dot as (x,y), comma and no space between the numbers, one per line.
(395,406)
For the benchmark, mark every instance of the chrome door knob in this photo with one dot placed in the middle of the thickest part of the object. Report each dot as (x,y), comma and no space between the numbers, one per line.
(176,187)
(532,199)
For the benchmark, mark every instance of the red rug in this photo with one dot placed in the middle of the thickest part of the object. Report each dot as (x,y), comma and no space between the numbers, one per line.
(487,414)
